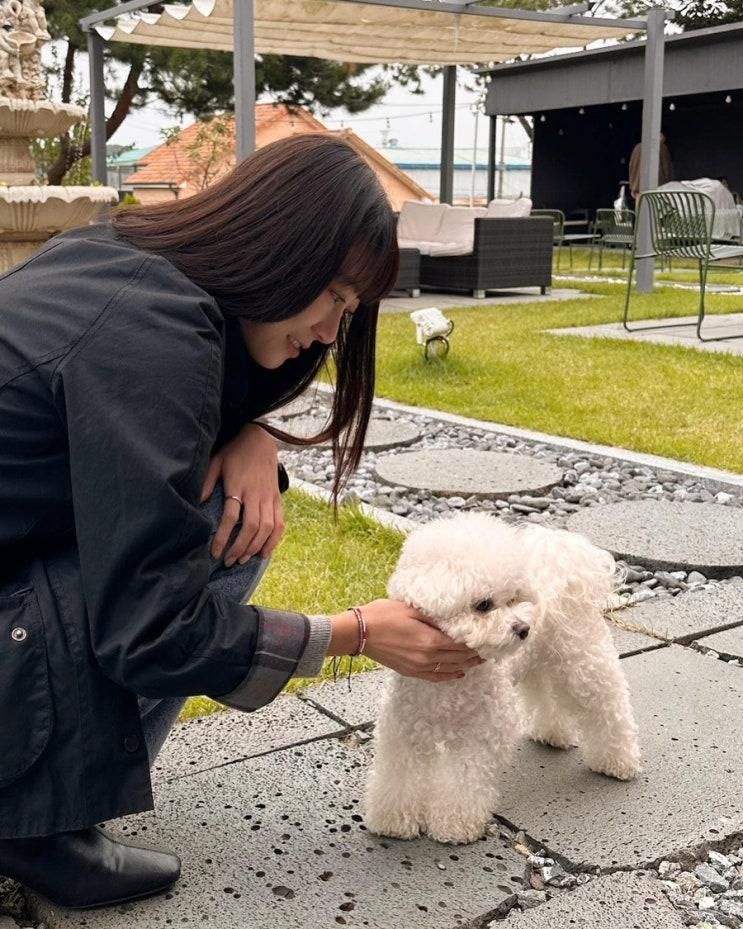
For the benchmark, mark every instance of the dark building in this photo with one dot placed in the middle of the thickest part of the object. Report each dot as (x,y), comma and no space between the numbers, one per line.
(587,111)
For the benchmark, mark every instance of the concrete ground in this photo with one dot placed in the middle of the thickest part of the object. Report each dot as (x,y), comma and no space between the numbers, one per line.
(400,303)
(266,810)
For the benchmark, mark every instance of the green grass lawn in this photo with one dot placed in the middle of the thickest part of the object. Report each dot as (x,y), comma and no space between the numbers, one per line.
(666,400)
(682,271)
(322,566)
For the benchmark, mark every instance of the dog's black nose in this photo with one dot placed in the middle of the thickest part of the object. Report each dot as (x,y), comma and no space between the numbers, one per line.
(521,629)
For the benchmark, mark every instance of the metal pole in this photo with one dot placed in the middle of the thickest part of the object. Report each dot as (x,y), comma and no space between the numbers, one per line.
(504,123)
(474,158)
(652,106)
(244,76)
(446,181)
(97,108)
(491,157)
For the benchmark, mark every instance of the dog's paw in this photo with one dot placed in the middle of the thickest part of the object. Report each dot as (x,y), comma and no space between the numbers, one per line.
(561,739)
(393,826)
(456,833)
(621,767)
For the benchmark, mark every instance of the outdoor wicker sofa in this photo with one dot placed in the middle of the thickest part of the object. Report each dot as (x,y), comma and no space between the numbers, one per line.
(510,252)
(475,249)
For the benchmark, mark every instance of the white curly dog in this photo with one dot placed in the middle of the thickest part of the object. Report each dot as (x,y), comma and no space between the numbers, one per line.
(531,599)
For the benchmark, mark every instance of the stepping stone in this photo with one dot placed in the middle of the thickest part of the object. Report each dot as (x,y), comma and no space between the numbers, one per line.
(222,738)
(619,901)
(466,472)
(689,792)
(689,615)
(299,407)
(725,643)
(278,842)
(382,433)
(669,536)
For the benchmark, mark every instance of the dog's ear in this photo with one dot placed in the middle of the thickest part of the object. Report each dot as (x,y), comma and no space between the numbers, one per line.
(437,589)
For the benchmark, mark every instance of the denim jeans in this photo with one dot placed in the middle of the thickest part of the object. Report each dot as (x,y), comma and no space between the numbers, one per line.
(237,583)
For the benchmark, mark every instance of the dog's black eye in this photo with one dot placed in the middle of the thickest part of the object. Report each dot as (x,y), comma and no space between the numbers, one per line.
(484,606)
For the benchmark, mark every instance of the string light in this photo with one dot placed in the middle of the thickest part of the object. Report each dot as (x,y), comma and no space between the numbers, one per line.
(728,99)
(672,107)
(624,106)
(542,118)
(581,111)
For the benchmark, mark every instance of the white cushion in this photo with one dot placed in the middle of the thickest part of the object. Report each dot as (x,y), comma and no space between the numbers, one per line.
(451,248)
(509,208)
(423,247)
(420,221)
(457,232)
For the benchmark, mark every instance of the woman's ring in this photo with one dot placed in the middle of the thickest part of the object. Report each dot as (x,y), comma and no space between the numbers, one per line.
(233,497)
(437,668)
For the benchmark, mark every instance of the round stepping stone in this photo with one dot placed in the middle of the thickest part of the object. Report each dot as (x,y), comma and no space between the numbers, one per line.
(299,407)
(660,534)
(465,472)
(382,433)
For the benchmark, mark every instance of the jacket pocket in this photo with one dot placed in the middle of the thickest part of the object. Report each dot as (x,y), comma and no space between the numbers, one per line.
(25,700)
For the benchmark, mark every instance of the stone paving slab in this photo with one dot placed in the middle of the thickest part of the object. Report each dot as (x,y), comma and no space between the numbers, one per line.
(382,433)
(356,706)
(628,642)
(466,472)
(689,615)
(199,744)
(616,901)
(716,326)
(726,643)
(277,843)
(668,536)
(688,708)
(401,304)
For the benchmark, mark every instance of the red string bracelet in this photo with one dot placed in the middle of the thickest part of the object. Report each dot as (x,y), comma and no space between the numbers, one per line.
(362,631)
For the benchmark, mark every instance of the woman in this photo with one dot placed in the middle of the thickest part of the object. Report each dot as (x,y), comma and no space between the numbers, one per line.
(131,354)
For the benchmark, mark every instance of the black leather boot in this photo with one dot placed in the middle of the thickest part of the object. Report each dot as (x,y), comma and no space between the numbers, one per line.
(87,868)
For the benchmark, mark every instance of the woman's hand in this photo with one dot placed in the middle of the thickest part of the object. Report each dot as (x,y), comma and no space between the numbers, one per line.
(403,639)
(248,469)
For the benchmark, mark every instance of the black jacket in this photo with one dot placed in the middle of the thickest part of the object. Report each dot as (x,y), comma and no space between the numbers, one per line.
(111,401)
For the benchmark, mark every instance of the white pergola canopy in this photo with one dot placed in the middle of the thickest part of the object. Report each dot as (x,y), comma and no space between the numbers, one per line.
(426,32)
(430,33)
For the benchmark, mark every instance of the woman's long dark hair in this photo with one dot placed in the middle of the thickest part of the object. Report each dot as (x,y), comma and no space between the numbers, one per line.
(267,239)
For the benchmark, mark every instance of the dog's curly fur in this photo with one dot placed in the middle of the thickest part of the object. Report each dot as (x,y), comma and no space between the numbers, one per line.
(441,748)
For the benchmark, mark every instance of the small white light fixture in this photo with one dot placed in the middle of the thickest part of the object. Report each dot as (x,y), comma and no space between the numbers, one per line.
(581,111)
(611,125)
(624,106)
(672,107)
(560,132)
(542,118)
(728,99)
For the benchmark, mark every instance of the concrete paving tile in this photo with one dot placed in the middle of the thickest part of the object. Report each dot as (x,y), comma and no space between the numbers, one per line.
(355,707)
(689,615)
(199,744)
(628,642)
(616,901)
(729,642)
(688,708)
(277,842)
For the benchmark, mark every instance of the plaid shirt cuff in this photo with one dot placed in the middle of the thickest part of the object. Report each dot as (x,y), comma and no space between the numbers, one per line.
(283,639)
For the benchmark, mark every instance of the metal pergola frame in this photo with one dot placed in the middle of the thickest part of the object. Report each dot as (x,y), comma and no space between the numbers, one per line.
(245,95)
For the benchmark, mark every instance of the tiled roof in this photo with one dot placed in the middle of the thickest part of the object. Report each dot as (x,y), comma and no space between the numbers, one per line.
(169,162)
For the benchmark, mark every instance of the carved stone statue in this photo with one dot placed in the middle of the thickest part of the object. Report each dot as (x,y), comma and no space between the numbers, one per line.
(22,33)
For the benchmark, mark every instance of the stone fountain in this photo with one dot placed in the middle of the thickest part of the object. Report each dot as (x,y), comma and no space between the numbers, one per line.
(31,212)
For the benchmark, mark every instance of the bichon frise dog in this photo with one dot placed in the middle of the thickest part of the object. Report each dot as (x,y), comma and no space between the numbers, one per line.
(531,599)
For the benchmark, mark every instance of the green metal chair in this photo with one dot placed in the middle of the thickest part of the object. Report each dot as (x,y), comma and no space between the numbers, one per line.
(613,229)
(561,238)
(680,224)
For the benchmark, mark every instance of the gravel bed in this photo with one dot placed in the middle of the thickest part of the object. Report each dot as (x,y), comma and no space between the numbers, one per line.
(708,892)
(589,480)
